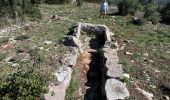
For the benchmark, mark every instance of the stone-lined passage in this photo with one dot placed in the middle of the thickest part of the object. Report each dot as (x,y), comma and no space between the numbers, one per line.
(104,68)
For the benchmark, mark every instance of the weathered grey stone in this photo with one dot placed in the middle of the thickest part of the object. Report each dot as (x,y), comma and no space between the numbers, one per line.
(110,44)
(114,69)
(57,89)
(91,28)
(97,29)
(77,31)
(47,42)
(69,59)
(71,41)
(115,90)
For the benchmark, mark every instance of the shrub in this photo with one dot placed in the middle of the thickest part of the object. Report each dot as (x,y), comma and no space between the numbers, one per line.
(31,11)
(151,13)
(22,37)
(2,56)
(150,9)
(24,84)
(128,6)
(18,9)
(79,2)
(3,40)
(37,1)
(154,19)
(165,13)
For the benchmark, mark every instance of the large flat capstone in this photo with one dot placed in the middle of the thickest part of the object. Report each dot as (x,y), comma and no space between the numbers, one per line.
(114,69)
(116,90)
(57,89)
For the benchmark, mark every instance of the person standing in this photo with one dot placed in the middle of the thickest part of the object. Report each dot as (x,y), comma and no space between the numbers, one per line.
(103,8)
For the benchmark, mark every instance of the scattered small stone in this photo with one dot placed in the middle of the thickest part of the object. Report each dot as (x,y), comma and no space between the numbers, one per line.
(80,91)
(89,18)
(128,41)
(1,36)
(139,93)
(15,64)
(8,59)
(166,97)
(41,48)
(132,61)
(145,60)
(145,54)
(152,86)
(128,53)
(26,27)
(47,49)
(113,16)
(151,61)
(12,39)
(60,18)
(157,71)
(122,48)
(47,42)
(126,75)
(22,37)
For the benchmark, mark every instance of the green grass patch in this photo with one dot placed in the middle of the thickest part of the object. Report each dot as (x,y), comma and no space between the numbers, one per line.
(2,56)
(72,87)
(3,40)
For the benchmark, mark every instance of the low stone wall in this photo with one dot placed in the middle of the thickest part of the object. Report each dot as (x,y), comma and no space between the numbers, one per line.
(113,89)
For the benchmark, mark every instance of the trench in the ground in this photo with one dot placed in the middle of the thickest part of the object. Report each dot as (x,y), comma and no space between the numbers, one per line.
(94,82)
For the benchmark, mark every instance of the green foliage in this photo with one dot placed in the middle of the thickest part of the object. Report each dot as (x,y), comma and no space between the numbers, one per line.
(22,37)
(24,84)
(128,6)
(150,9)
(72,87)
(18,9)
(2,56)
(37,1)
(3,40)
(27,9)
(165,12)
(151,12)
(79,2)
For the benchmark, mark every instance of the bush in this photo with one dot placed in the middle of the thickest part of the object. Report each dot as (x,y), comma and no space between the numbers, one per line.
(154,19)
(18,9)
(24,84)
(3,40)
(37,1)
(150,9)
(128,7)
(151,13)
(165,13)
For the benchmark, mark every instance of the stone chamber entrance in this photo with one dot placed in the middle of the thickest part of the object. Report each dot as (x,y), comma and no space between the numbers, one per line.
(91,54)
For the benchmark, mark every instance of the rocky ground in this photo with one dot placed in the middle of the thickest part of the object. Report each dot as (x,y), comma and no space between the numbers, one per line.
(144,51)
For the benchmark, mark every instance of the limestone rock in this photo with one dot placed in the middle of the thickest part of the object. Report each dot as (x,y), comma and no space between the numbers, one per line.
(77,31)
(97,29)
(140,93)
(115,90)
(128,53)
(69,59)
(47,42)
(114,69)
(71,41)
(57,89)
